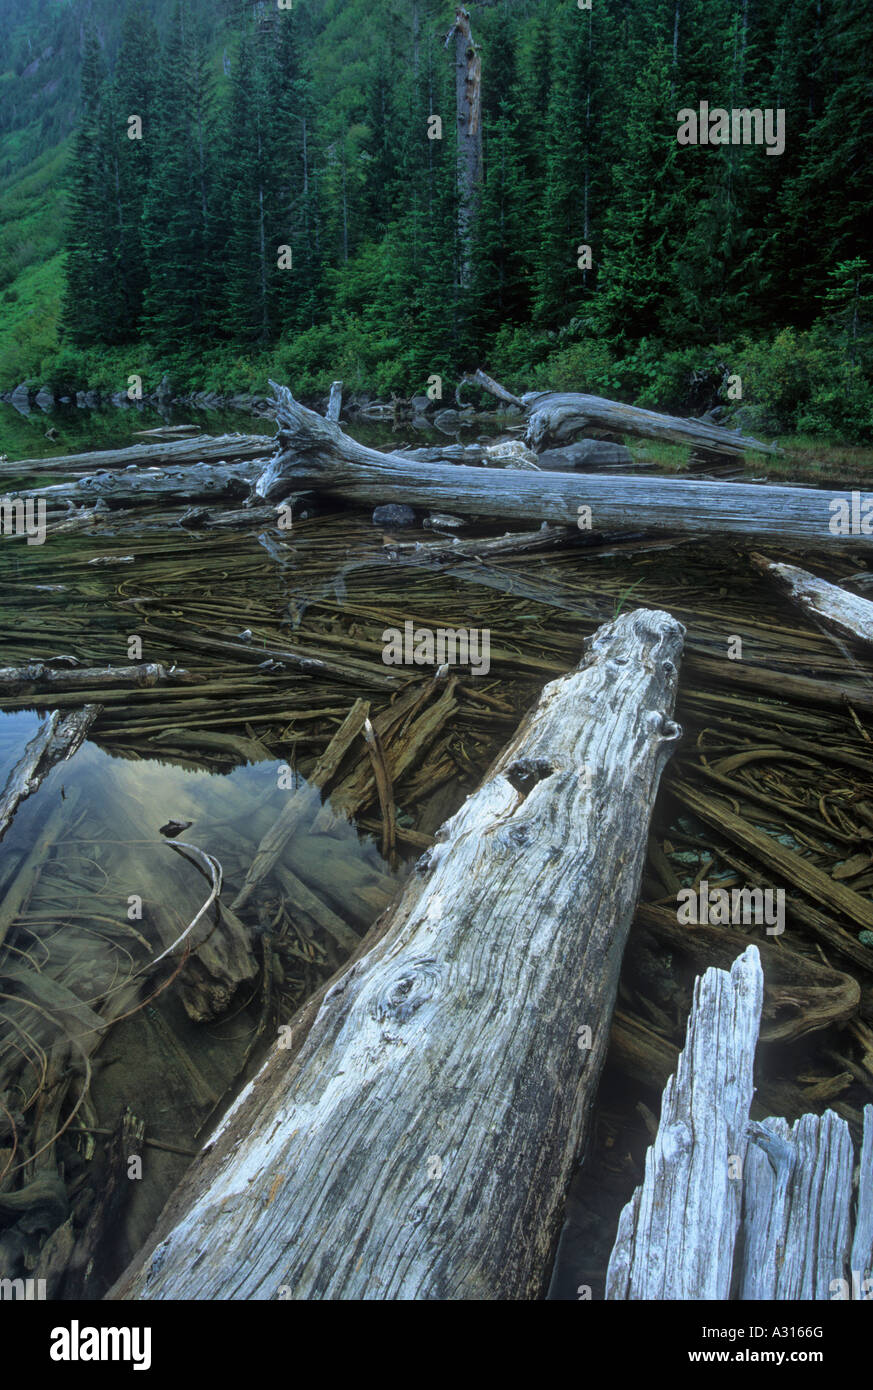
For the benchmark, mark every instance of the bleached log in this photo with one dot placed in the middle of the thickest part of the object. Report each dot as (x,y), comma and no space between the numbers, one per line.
(316,454)
(420,1143)
(796,1224)
(558,415)
(844,613)
(676,1235)
(167,453)
(183,484)
(55,740)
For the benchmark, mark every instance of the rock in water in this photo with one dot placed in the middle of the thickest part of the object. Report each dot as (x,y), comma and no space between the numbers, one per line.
(393,514)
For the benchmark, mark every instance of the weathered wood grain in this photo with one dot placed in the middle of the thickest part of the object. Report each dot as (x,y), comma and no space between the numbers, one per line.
(844,613)
(420,1143)
(676,1235)
(797,1190)
(861,1262)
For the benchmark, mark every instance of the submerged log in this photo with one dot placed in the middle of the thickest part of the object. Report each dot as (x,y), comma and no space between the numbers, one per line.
(315,453)
(420,1142)
(55,740)
(38,676)
(845,613)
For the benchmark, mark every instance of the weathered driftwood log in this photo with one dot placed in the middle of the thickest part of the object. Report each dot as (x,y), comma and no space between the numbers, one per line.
(169,454)
(315,453)
(55,740)
(733,1208)
(676,1235)
(145,486)
(557,415)
(844,613)
(37,676)
(420,1143)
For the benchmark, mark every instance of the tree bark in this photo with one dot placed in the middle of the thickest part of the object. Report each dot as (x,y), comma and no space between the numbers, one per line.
(421,1142)
(315,453)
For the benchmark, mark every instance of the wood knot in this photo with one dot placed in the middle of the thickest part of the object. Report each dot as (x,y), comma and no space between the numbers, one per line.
(414,983)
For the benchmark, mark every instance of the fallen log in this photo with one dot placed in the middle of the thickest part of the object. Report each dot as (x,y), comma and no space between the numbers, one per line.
(55,740)
(420,1142)
(38,676)
(558,415)
(315,453)
(201,449)
(845,613)
(145,486)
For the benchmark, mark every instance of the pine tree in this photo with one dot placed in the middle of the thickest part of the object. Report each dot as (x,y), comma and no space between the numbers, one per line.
(91,308)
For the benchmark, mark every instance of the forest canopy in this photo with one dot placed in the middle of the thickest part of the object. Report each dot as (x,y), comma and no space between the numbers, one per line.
(282,204)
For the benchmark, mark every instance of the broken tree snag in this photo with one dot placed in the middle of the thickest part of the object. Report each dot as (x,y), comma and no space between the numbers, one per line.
(676,1235)
(55,740)
(316,454)
(335,404)
(797,1182)
(557,415)
(844,613)
(862,1244)
(468,97)
(39,675)
(421,1141)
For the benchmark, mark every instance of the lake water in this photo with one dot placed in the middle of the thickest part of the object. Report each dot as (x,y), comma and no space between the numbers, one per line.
(91,891)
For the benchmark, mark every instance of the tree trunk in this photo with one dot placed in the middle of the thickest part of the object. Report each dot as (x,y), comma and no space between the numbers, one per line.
(558,415)
(202,448)
(315,453)
(199,482)
(420,1143)
(468,97)
(676,1235)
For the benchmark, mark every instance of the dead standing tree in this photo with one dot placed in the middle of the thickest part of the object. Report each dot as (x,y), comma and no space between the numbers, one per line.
(468,91)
